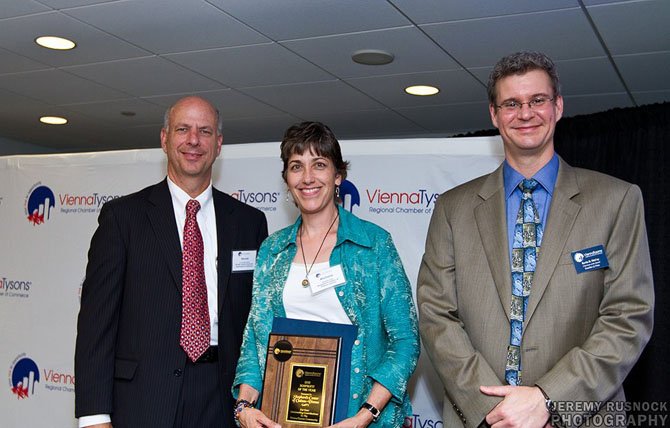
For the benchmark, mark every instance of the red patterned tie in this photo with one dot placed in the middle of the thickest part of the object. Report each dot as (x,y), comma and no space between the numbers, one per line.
(195,334)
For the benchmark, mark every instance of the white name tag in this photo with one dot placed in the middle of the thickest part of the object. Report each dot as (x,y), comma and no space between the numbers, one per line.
(326,278)
(244,261)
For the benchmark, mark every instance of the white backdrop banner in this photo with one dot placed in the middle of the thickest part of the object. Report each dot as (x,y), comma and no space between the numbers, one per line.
(49,206)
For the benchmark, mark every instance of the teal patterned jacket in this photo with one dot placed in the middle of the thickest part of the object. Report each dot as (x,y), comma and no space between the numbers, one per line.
(376,296)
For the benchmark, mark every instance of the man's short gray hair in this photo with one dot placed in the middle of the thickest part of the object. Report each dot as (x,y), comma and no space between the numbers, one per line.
(520,63)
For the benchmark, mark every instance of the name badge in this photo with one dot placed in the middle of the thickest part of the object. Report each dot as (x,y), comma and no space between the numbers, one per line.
(244,261)
(590,259)
(327,278)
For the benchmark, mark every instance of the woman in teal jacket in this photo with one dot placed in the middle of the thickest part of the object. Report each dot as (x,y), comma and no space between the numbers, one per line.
(374,295)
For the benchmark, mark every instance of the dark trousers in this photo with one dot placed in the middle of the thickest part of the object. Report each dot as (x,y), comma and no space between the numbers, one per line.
(200,400)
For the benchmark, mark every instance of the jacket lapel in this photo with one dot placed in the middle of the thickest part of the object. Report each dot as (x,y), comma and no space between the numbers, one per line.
(493,234)
(226,235)
(163,222)
(560,221)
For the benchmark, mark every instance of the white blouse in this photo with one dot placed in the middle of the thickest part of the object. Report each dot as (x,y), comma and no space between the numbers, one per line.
(300,303)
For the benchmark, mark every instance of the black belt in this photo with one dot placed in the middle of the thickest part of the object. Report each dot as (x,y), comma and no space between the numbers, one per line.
(211,355)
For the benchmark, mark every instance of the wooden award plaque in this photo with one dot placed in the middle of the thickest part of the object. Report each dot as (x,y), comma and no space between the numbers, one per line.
(300,383)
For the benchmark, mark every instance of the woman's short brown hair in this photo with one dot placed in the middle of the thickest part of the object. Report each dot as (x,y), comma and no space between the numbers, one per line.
(318,139)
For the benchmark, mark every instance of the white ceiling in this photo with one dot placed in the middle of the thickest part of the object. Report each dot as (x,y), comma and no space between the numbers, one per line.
(269,63)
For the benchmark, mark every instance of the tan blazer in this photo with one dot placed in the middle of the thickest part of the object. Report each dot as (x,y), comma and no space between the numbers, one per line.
(583,332)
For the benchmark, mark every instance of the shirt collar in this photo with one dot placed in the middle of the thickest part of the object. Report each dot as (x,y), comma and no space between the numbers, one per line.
(546,176)
(181,198)
(350,228)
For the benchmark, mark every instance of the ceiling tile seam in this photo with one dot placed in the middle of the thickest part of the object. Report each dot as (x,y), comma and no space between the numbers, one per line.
(28,15)
(385,109)
(349,33)
(27,96)
(607,51)
(304,38)
(150,98)
(241,90)
(280,44)
(110,100)
(466,103)
(511,15)
(64,11)
(663,52)
(234,18)
(558,9)
(339,79)
(65,70)
(254,117)
(409,73)
(11,73)
(261,102)
(219,48)
(114,36)
(229,86)
(437,44)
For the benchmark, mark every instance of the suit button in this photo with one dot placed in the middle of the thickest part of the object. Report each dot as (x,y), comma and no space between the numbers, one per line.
(177,372)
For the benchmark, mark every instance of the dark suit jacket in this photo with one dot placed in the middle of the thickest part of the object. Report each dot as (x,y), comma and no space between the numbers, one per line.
(128,361)
(582,332)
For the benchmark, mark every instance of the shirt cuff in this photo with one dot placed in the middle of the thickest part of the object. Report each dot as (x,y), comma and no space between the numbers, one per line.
(86,421)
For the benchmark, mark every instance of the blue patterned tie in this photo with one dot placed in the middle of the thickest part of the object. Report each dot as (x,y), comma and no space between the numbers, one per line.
(525,251)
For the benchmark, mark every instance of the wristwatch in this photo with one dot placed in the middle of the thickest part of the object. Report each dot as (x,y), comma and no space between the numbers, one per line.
(372,409)
(551,407)
(554,417)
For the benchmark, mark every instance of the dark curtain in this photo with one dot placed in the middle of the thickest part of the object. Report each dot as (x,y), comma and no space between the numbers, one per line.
(632,144)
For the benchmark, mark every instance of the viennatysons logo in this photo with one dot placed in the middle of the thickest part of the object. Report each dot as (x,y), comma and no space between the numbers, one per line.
(25,379)
(417,421)
(264,201)
(41,203)
(349,195)
(384,201)
(10,287)
(23,375)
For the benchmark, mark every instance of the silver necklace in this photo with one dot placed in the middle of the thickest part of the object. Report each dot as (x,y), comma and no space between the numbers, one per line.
(305,282)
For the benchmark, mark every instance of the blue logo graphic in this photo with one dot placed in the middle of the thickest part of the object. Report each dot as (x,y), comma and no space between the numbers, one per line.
(25,375)
(349,195)
(40,202)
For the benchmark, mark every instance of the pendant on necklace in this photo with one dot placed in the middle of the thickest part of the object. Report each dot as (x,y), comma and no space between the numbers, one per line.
(305,282)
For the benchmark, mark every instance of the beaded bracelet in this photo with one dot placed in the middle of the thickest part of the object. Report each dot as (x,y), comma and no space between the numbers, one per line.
(239,406)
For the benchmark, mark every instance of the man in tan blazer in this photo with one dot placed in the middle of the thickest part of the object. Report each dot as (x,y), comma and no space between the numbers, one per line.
(589,311)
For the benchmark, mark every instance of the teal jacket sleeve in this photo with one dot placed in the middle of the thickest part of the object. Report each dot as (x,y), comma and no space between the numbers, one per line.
(399,321)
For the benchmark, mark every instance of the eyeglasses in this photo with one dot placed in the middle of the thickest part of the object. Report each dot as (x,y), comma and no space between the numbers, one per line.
(512,106)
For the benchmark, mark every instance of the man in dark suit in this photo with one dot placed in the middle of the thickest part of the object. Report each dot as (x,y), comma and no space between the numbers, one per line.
(535,292)
(131,364)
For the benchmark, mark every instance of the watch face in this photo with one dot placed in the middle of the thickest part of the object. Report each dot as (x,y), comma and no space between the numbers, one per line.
(375,411)
(550,405)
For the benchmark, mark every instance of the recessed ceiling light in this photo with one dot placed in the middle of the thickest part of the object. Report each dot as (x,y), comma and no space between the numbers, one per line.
(372,57)
(53,120)
(53,42)
(422,90)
